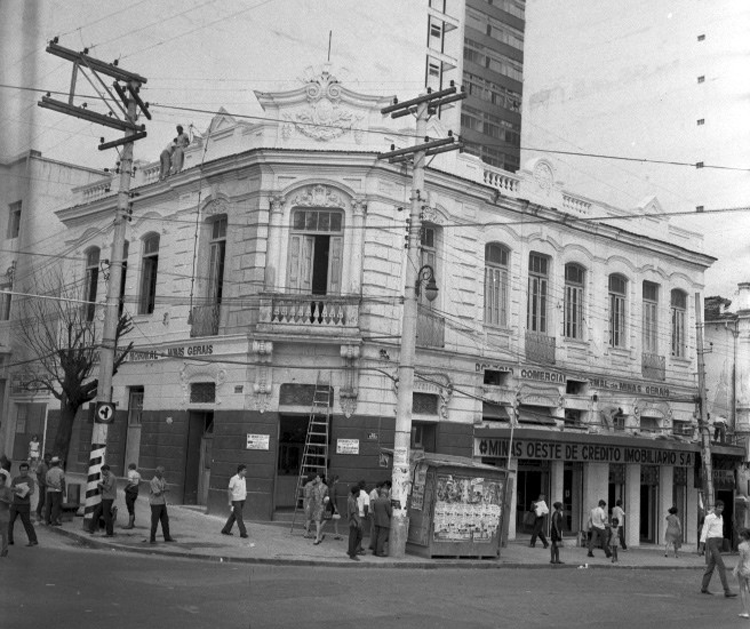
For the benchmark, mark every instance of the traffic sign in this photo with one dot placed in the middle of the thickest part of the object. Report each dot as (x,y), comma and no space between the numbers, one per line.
(105,412)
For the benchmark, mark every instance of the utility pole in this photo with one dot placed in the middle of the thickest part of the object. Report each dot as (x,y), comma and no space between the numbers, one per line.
(703,427)
(123,108)
(422,108)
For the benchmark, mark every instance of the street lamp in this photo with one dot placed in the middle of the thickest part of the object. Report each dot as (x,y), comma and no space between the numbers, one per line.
(427,274)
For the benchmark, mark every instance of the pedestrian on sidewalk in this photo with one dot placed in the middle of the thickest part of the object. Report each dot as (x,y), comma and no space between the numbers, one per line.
(132,488)
(598,528)
(55,488)
(673,534)
(34,446)
(107,486)
(355,523)
(619,513)
(307,504)
(319,505)
(6,497)
(41,481)
(372,497)
(157,499)
(712,536)
(333,505)
(613,539)
(363,503)
(22,489)
(237,495)
(556,533)
(742,572)
(381,516)
(540,510)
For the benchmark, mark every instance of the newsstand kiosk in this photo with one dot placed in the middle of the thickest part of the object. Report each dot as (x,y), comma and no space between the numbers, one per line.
(455,508)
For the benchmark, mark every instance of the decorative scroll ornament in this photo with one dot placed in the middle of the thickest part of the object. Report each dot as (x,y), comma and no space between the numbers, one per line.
(201,373)
(436,383)
(325,119)
(349,392)
(263,384)
(318,196)
(215,207)
(543,176)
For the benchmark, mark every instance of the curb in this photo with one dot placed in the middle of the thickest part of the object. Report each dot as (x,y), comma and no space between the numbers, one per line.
(437,564)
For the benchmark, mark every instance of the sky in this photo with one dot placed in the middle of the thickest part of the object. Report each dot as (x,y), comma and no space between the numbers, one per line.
(200,55)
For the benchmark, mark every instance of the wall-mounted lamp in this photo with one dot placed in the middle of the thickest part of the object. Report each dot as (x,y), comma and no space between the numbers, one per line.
(427,274)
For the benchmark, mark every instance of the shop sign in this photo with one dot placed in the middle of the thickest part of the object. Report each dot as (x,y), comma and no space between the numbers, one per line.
(347,446)
(479,367)
(584,452)
(258,442)
(180,351)
(541,375)
(629,387)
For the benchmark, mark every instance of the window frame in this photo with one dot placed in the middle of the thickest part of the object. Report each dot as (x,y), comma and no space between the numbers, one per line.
(149,273)
(650,317)
(537,303)
(15,210)
(93,257)
(678,326)
(618,301)
(496,284)
(573,302)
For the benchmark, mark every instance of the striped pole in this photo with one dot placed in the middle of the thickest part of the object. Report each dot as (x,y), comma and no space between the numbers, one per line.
(93,498)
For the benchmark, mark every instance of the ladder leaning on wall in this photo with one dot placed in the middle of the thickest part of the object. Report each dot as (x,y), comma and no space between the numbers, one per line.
(315,452)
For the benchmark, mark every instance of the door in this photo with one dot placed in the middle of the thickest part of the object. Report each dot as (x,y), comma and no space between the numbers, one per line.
(292,431)
(533,479)
(29,422)
(133,437)
(198,457)
(649,503)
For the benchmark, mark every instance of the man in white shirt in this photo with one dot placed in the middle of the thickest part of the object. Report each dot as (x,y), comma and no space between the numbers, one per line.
(712,535)
(619,513)
(540,509)
(598,530)
(237,495)
(363,504)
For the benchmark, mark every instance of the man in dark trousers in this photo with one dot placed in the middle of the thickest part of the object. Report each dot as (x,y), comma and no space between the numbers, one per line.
(157,499)
(22,488)
(108,491)
(381,510)
(355,523)
(712,536)
(41,481)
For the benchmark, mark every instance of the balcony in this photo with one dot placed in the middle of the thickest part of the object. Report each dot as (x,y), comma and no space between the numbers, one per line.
(430,329)
(540,348)
(316,315)
(205,320)
(653,367)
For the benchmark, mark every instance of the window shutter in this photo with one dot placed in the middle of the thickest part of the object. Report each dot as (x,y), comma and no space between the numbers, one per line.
(334,265)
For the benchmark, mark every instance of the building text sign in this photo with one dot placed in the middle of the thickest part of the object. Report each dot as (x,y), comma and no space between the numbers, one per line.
(347,446)
(258,442)
(585,452)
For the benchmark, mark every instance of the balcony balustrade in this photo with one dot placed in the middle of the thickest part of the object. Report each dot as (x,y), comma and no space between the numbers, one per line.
(540,348)
(653,367)
(327,315)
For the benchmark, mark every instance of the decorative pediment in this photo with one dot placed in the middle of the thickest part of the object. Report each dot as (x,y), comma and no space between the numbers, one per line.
(650,205)
(318,196)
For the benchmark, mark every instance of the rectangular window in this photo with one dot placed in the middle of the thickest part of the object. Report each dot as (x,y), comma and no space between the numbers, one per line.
(150,270)
(135,406)
(573,313)
(679,309)
(617,288)
(5,299)
(14,219)
(650,318)
(700,122)
(536,314)
(496,285)
(701,79)
(203,393)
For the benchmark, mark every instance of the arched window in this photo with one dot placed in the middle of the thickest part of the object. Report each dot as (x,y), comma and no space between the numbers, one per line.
(536,313)
(149,271)
(496,284)
(217,254)
(575,275)
(618,286)
(92,281)
(679,311)
(650,318)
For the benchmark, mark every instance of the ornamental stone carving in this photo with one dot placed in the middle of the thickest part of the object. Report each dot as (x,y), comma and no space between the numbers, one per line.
(349,393)
(318,196)
(263,385)
(202,372)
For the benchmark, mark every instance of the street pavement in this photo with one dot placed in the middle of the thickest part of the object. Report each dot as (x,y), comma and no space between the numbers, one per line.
(199,537)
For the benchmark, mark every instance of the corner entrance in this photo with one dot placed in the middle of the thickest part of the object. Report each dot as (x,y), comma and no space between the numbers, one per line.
(198,457)
(292,431)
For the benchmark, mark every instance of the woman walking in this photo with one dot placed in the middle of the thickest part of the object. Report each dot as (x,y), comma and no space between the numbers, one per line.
(556,533)
(673,535)
(318,505)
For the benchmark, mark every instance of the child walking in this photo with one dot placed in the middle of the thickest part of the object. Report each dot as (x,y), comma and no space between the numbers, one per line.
(673,534)
(742,572)
(614,538)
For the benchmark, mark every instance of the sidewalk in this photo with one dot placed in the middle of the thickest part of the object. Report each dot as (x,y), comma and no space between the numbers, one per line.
(198,537)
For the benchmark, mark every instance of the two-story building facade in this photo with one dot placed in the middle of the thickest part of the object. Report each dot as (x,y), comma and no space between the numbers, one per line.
(274,263)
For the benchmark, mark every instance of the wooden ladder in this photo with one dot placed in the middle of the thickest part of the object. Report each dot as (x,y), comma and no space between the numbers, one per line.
(315,452)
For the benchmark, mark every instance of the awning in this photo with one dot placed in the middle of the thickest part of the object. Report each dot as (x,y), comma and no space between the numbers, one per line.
(535,415)
(494,412)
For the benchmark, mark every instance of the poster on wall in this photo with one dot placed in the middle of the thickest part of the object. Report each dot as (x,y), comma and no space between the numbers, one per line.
(347,446)
(258,442)
(467,508)
(417,491)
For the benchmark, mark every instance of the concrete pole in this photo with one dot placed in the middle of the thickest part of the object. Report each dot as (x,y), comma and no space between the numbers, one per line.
(401,477)
(703,427)
(107,350)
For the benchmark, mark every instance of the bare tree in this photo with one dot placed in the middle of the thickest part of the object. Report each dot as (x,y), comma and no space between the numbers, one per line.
(62,339)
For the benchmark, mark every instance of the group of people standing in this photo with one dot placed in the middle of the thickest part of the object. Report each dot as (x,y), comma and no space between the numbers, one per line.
(173,155)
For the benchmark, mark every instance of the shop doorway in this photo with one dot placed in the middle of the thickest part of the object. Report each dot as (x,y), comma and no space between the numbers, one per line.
(727,497)
(133,438)
(292,431)
(573,496)
(199,456)
(649,504)
(532,479)
(29,422)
